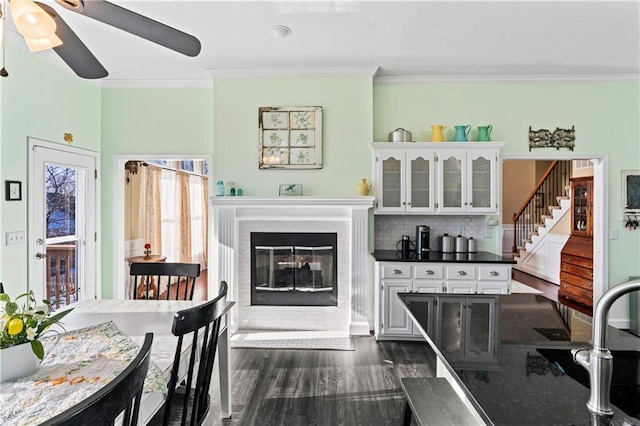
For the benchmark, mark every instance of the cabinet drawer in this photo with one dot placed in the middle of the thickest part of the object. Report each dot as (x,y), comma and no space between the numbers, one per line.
(493,287)
(577,270)
(461,272)
(585,283)
(396,271)
(428,272)
(494,273)
(578,261)
(575,293)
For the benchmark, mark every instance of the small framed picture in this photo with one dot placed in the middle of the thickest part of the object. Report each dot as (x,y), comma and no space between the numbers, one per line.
(12,190)
(290,189)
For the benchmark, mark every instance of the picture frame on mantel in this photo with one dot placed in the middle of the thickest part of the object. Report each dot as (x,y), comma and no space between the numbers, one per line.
(290,137)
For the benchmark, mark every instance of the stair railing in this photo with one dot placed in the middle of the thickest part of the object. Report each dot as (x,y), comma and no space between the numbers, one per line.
(551,185)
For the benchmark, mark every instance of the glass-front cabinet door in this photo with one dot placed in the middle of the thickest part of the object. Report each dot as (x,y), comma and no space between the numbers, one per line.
(391,183)
(420,182)
(452,185)
(482,185)
(582,203)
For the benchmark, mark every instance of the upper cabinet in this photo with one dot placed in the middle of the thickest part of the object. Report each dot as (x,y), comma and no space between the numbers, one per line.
(444,177)
(406,181)
(582,206)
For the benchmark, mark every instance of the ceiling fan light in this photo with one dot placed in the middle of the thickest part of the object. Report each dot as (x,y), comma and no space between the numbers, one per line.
(30,20)
(38,44)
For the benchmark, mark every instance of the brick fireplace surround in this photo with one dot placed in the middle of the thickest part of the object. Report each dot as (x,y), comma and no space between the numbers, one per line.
(236,217)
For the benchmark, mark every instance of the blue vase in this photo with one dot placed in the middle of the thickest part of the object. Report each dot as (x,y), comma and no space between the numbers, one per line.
(219,188)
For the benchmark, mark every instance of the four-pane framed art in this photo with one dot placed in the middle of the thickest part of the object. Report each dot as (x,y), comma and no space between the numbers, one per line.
(290,137)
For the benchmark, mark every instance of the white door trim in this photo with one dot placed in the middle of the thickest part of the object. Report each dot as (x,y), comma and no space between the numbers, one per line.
(119,258)
(97,269)
(600,213)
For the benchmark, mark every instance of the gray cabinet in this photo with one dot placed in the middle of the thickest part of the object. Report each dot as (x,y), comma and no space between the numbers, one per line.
(467,328)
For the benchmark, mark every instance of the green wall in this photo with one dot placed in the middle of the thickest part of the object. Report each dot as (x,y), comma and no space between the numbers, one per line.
(43,101)
(606,117)
(347,122)
(148,121)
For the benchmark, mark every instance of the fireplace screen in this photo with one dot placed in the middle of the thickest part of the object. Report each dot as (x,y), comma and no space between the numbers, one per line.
(294,269)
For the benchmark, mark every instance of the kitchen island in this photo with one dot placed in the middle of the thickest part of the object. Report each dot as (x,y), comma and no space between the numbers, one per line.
(518,385)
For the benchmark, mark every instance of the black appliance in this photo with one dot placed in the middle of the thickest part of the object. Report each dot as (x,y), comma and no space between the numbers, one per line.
(422,240)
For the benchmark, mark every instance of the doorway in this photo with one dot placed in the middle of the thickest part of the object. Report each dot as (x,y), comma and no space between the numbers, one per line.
(160,207)
(63,216)
(600,224)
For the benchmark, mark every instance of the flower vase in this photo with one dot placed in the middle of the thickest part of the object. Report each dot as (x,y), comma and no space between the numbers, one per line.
(17,362)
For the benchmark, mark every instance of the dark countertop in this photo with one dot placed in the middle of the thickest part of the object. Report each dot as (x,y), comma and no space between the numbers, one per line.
(438,256)
(504,394)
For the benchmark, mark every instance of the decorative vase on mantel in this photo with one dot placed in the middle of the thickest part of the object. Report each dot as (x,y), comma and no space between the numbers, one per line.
(363,187)
(17,361)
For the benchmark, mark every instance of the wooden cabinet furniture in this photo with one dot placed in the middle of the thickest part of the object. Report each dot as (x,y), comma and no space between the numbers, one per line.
(448,177)
(582,206)
(576,270)
(576,257)
(392,322)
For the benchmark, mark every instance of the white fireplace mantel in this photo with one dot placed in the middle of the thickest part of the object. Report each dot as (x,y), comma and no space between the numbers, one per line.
(232,212)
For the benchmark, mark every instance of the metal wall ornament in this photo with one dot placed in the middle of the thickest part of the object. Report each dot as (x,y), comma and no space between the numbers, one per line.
(290,137)
(559,138)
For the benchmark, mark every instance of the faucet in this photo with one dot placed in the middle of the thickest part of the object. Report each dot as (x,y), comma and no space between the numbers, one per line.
(598,361)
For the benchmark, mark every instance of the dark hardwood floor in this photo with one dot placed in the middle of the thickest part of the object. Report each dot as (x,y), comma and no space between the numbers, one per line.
(323,387)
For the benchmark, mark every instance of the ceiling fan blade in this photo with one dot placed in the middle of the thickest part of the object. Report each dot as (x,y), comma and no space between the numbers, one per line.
(135,23)
(73,51)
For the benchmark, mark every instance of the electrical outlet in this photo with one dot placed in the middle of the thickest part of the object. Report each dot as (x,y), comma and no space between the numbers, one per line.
(488,232)
(15,237)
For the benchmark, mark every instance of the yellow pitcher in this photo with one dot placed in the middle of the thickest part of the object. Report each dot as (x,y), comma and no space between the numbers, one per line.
(439,133)
(363,187)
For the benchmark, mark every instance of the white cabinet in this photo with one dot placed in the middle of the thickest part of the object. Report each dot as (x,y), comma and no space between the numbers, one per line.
(449,177)
(406,181)
(391,320)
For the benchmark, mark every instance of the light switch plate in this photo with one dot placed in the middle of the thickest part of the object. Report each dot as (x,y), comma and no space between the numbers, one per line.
(15,237)
(614,234)
(488,232)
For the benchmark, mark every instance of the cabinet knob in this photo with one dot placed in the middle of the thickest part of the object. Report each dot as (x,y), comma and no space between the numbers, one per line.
(397,271)
(429,272)
(494,273)
(462,273)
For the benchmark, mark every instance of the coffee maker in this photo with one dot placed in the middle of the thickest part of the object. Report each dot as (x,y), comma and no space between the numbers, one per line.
(422,241)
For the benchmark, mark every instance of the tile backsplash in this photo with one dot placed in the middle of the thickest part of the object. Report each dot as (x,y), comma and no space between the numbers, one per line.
(389,229)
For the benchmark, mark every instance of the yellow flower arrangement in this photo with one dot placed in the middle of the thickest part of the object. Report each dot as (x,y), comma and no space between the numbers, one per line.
(27,322)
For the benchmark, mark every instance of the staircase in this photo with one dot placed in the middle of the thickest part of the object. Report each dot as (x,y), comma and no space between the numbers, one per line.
(535,249)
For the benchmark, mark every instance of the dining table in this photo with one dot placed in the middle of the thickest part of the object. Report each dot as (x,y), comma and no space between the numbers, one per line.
(101,335)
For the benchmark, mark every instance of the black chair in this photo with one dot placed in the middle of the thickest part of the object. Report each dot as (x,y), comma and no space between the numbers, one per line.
(189,404)
(151,279)
(122,394)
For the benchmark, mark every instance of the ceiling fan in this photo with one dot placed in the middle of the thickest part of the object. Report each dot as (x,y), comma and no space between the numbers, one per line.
(49,30)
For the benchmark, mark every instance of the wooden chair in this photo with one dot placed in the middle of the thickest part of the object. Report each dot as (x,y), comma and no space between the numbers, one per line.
(189,404)
(122,394)
(150,278)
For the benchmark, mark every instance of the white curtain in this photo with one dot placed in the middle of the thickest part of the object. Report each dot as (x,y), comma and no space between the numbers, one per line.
(181,200)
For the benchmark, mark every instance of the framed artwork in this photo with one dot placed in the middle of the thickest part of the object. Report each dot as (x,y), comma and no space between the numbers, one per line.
(290,189)
(12,190)
(290,137)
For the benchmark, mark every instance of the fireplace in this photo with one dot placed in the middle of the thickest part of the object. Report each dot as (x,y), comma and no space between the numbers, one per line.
(294,269)
(237,218)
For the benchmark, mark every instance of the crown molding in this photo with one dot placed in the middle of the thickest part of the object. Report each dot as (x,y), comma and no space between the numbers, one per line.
(294,72)
(538,78)
(156,84)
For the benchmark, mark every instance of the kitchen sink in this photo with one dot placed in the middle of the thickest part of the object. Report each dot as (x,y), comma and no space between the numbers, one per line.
(625,383)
